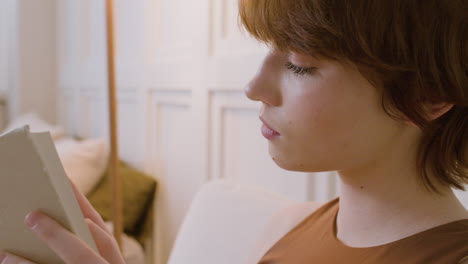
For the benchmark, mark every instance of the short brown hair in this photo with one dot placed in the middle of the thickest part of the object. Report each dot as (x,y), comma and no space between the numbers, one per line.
(415,50)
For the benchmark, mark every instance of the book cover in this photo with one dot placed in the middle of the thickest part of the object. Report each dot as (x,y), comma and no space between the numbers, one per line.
(32,178)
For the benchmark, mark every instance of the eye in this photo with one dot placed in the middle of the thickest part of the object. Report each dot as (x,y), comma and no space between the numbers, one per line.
(299,70)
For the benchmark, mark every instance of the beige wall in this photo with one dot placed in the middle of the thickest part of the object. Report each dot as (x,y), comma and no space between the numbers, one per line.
(5,37)
(34,86)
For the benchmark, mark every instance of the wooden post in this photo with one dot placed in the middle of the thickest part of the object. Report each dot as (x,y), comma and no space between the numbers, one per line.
(114,157)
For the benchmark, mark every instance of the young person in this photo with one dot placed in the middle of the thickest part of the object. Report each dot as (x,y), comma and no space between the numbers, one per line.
(376,90)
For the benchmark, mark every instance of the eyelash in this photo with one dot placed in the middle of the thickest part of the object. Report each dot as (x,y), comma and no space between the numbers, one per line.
(298,70)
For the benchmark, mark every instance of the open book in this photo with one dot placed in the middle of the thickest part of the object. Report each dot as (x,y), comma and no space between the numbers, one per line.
(32,178)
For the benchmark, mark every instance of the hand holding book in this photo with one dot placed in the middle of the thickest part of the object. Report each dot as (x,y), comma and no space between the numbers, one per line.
(68,246)
(35,189)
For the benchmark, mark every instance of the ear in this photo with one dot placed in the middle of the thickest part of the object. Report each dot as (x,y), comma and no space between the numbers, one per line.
(436,110)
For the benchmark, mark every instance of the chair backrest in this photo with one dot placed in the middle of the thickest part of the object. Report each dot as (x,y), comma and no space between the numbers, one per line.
(223,223)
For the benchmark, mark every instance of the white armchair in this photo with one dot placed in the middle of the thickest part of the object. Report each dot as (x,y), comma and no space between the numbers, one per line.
(223,223)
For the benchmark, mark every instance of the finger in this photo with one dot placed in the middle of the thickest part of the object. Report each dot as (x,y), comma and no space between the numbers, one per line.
(87,209)
(12,259)
(106,244)
(65,244)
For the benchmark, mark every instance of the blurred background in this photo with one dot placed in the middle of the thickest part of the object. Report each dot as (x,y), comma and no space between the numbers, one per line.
(181,67)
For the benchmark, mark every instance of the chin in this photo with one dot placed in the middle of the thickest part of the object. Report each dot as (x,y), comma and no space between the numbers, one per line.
(294,165)
(298,163)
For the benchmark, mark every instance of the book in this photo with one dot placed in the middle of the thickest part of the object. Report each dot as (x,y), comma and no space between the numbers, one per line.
(32,178)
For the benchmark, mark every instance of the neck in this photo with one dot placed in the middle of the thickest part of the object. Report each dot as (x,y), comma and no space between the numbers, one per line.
(387,201)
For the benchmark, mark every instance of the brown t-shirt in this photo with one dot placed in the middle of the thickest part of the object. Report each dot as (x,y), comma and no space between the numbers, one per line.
(314,241)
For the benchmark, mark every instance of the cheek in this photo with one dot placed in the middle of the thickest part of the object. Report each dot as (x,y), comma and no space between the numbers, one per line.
(316,112)
(324,124)
(315,133)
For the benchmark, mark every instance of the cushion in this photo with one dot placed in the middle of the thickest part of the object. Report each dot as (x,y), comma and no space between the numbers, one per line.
(224,222)
(36,124)
(137,190)
(84,161)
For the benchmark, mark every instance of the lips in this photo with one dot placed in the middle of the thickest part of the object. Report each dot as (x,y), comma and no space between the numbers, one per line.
(267,131)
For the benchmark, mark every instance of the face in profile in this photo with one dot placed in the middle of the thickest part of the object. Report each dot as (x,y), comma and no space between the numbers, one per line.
(321,115)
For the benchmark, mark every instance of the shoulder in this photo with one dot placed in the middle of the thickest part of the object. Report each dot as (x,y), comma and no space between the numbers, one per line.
(279,225)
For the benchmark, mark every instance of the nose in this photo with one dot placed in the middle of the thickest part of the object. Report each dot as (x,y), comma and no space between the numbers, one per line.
(264,86)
